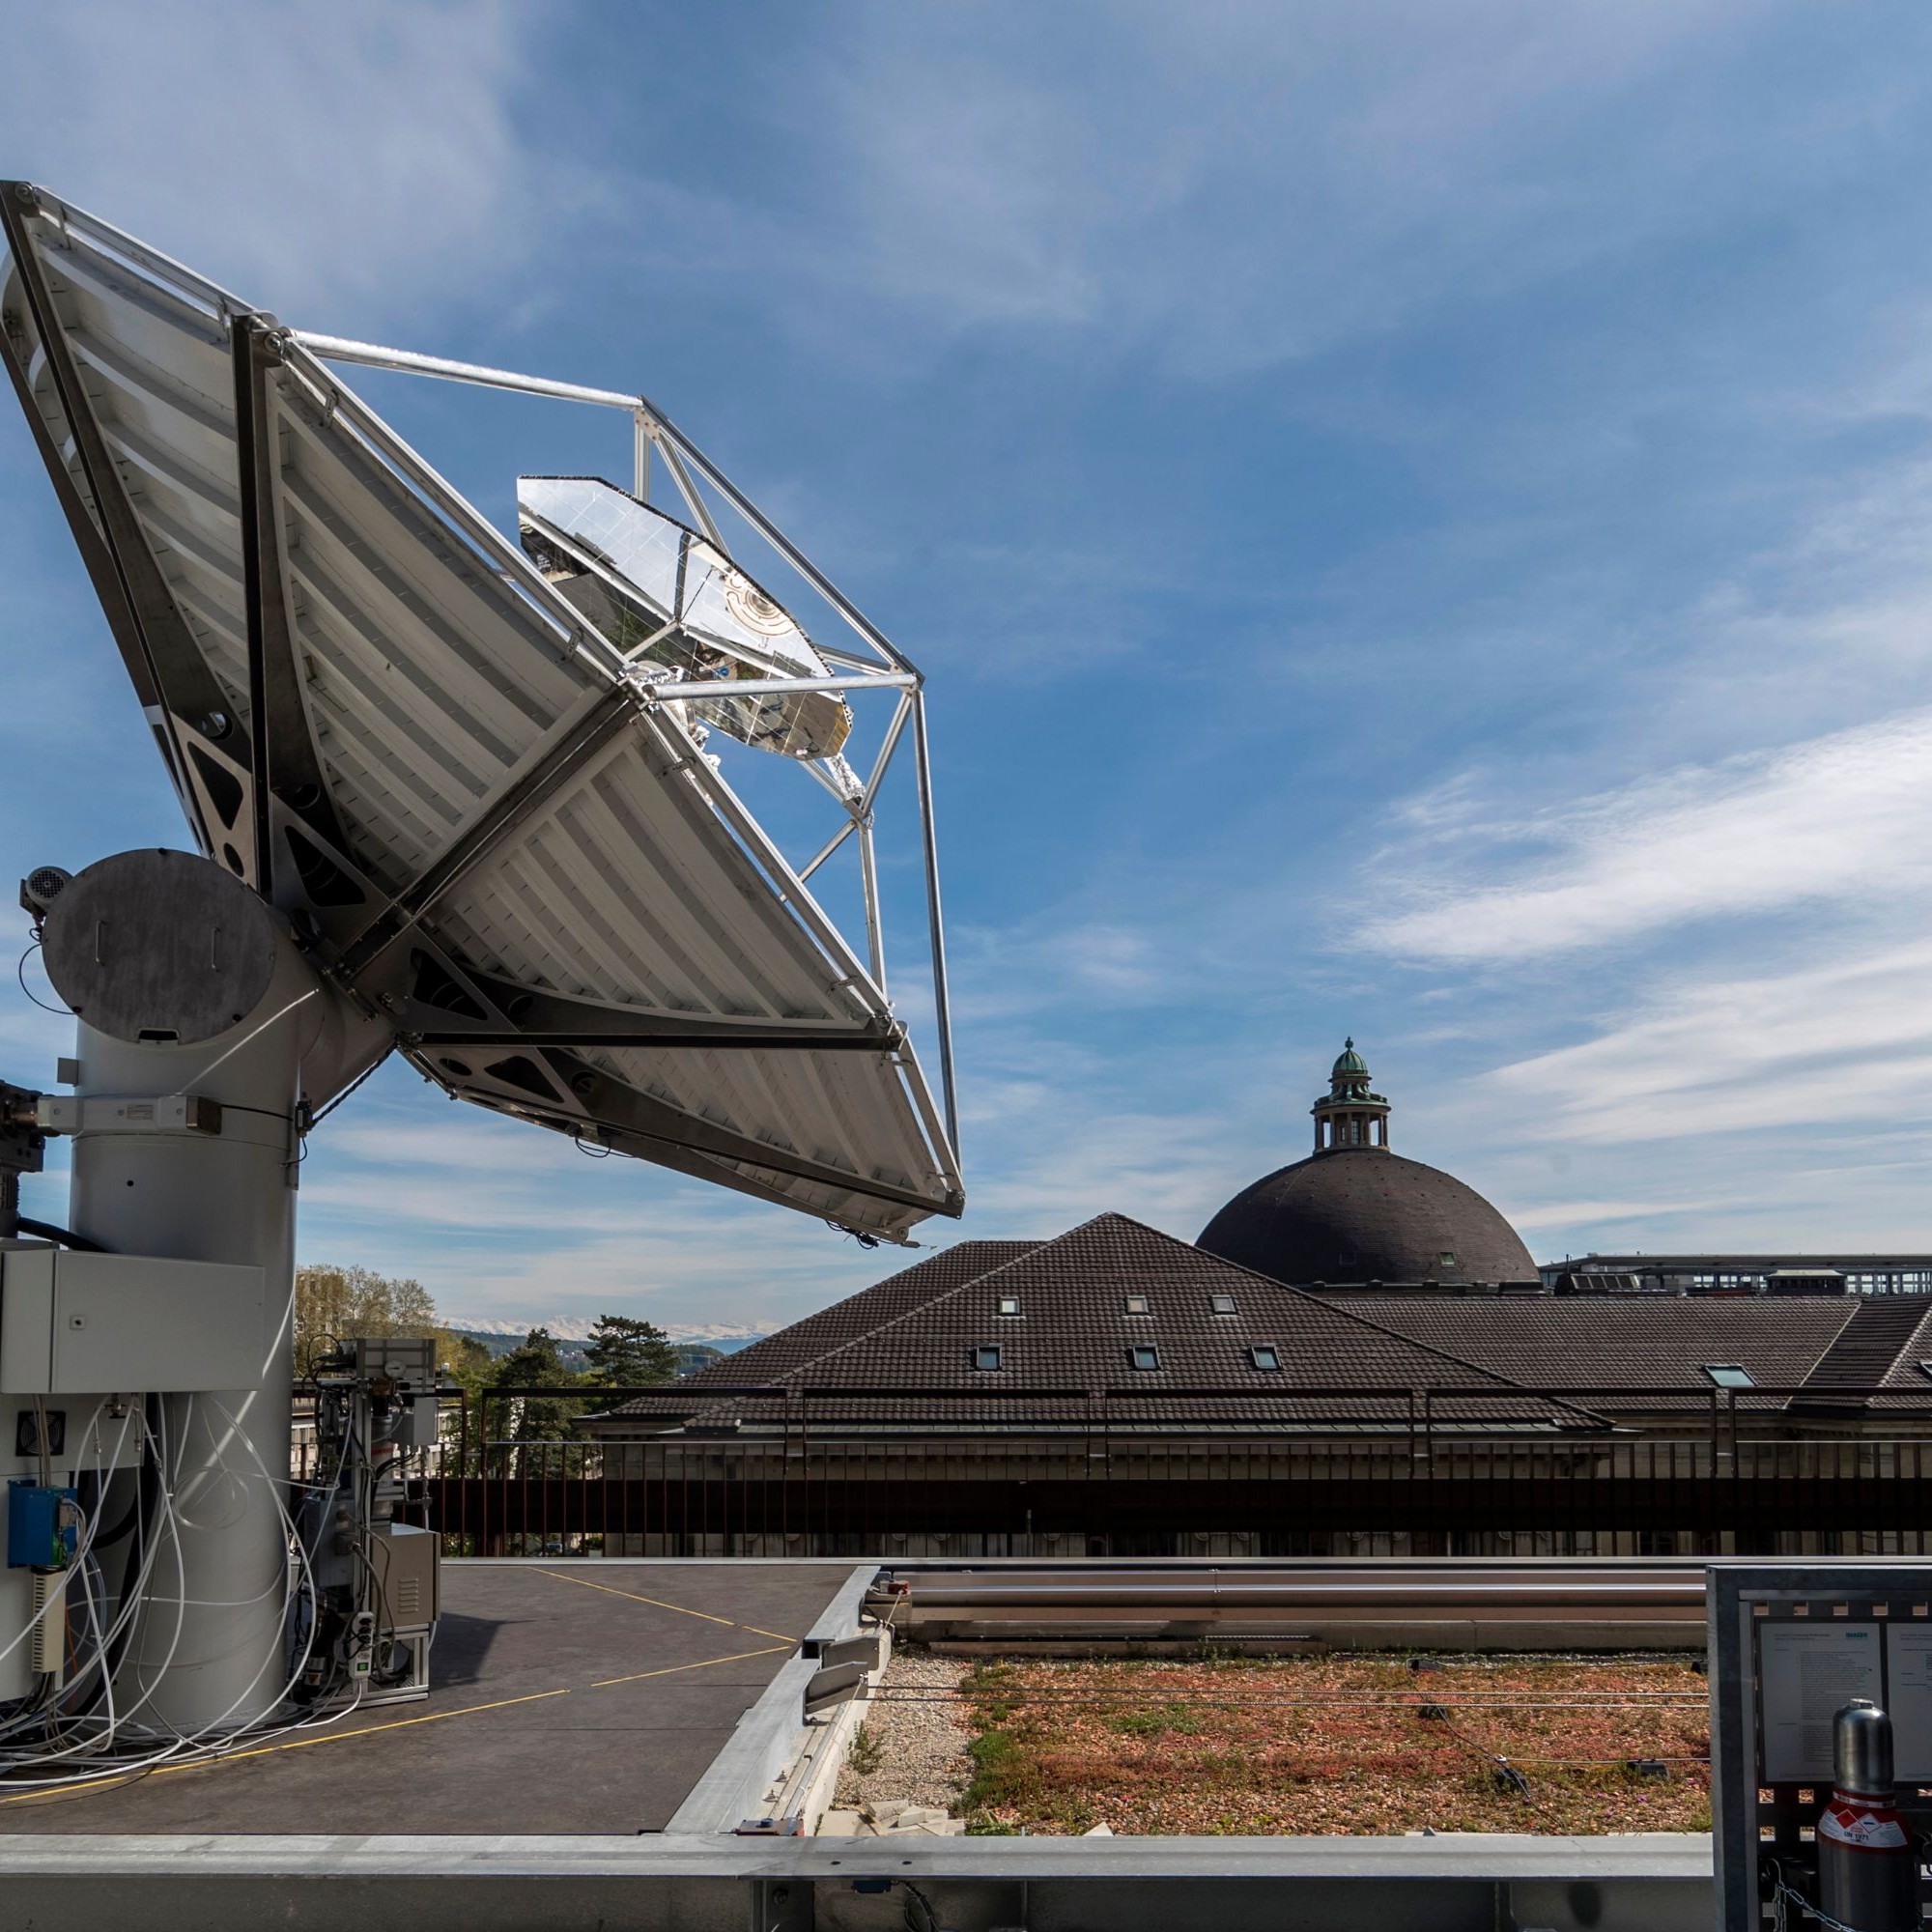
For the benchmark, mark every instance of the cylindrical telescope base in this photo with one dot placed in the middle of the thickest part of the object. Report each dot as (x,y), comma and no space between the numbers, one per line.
(186,983)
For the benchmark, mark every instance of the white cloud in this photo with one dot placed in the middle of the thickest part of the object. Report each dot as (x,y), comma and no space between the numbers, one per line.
(1843,817)
(1848,1041)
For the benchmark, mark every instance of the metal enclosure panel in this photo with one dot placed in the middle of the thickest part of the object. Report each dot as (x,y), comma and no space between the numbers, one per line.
(26,1321)
(77,1324)
(410,1577)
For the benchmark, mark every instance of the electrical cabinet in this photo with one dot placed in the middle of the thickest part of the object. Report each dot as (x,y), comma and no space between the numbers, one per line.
(77,1322)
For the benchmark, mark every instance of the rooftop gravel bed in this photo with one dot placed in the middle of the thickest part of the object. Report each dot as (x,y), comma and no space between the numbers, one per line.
(1294,1745)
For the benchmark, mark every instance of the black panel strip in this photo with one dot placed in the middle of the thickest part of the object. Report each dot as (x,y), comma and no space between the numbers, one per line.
(611,1103)
(177,672)
(242,334)
(278,718)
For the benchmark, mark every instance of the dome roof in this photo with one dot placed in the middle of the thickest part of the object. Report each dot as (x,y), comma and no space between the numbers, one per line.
(1361,1214)
(1349,1064)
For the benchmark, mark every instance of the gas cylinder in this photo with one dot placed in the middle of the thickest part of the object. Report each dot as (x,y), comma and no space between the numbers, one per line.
(1867,1861)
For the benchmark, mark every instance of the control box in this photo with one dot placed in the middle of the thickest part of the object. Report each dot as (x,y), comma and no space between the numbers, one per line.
(43,1526)
(74,1323)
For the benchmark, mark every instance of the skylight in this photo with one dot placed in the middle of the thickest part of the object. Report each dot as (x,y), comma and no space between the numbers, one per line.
(1223,1304)
(1134,1304)
(1729,1376)
(986,1356)
(1144,1355)
(1009,1304)
(1265,1355)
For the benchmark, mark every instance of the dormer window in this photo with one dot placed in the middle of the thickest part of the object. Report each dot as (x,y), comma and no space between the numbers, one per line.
(1134,1304)
(1143,1356)
(1223,1304)
(1264,1355)
(1009,1304)
(986,1356)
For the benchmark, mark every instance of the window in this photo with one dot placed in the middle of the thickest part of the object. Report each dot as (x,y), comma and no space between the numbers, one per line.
(1445,1259)
(1223,1304)
(986,1356)
(1144,1355)
(1925,1369)
(1265,1355)
(1729,1376)
(1135,1304)
(1009,1304)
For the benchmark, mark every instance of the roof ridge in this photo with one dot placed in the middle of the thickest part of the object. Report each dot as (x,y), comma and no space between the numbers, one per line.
(922,1307)
(786,1376)
(1887,1323)
(832,1308)
(1393,1334)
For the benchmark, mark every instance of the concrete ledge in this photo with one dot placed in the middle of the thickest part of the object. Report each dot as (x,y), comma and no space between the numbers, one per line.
(718,1883)
(770,1735)
(1512,1856)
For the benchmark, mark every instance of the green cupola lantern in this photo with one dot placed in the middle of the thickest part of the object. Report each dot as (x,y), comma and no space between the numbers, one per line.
(1349,1115)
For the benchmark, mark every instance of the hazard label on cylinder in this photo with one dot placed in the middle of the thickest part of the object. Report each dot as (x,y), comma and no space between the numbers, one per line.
(1863,1827)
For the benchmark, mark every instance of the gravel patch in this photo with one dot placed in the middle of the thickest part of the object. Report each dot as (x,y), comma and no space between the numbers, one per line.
(913,1733)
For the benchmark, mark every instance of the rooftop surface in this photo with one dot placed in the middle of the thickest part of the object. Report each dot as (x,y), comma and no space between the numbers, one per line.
(1005,1334)
(562,1703)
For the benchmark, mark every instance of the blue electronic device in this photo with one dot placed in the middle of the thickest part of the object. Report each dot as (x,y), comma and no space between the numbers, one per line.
(43,1526)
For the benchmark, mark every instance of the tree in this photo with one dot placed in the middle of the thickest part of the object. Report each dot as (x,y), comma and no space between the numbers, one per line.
(630,1353)
(533,1363)
(335,1304)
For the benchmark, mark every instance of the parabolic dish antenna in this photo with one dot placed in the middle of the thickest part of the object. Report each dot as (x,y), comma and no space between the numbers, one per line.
(473,778)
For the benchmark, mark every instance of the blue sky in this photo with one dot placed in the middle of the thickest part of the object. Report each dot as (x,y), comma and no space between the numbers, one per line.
(1416,519)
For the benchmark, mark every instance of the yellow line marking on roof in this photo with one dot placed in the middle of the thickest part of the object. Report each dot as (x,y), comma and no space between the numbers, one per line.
(268,1751)
(704,1664)
(658,1602)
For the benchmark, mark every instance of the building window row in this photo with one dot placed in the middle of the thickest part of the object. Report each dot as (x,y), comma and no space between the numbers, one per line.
(1132,1304)
(1144,1357)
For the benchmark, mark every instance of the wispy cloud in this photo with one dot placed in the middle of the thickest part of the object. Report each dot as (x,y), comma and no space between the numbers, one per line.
(1847,1041)
(1844,817)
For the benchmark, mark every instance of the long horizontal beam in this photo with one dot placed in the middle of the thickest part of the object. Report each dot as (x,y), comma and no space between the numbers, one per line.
(778,686)
(406,361)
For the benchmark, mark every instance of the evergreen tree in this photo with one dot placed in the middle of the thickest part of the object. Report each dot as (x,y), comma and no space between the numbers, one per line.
(534,1363)
(630,1353)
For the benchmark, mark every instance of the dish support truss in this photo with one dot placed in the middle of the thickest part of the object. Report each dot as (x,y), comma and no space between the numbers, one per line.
(393,962)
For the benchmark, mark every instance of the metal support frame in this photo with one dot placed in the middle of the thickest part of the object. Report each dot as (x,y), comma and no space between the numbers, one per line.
(883,666)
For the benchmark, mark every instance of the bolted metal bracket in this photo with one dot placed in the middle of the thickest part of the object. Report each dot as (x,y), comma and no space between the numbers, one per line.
(100,1113)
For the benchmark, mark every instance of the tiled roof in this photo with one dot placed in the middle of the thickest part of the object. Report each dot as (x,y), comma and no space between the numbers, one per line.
(905,1354)
(774,1357)
(1657,1343)
(1072,1334)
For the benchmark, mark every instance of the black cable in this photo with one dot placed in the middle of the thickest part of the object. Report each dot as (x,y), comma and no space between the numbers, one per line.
(20,974)
(45,1231)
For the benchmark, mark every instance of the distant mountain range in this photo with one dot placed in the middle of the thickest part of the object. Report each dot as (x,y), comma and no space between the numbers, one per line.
(694,1345)
(722,1335)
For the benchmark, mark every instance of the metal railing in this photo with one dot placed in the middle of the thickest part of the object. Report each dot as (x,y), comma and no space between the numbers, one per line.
(1330,1470)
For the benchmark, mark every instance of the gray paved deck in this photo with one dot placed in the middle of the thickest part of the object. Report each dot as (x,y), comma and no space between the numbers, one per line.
(523,1732)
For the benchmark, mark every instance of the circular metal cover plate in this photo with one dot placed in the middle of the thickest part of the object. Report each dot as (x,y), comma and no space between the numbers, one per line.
(159,946)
